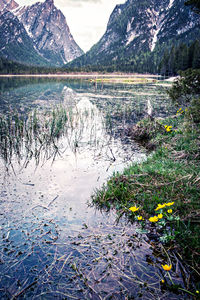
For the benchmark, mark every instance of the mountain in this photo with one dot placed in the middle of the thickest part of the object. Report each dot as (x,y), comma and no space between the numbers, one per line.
(139,29)
(9,5)
(15,44)
(46,27)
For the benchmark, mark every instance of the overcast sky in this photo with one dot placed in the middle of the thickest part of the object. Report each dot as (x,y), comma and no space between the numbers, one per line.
(87,19)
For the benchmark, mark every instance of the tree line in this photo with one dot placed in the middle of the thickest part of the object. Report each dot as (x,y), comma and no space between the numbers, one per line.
(12,67)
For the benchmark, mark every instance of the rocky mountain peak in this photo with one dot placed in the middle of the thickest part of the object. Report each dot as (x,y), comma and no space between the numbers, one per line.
(47,27)
(49,2)
(8,4)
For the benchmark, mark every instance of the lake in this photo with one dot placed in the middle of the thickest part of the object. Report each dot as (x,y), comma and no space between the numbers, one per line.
(54,243)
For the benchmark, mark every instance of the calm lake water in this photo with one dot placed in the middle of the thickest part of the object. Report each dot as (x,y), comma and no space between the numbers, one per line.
(53,244)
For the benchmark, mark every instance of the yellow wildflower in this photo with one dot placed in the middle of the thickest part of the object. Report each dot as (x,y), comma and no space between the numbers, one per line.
(180,111)
(169,211)
(160,206)
(197,292)
(140,218)
(169,128)
(169,203)
(153,219)
(133,208)
(160,216)
(162,281)
(166,267)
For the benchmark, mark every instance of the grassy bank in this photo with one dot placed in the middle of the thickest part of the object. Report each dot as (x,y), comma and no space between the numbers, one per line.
(163,192)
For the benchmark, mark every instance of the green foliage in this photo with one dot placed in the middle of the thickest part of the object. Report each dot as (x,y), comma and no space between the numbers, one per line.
(193,114)
(180,58)
(186,87)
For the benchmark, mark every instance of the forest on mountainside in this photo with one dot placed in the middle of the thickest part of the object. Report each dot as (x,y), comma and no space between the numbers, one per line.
(12,67)
(174,59)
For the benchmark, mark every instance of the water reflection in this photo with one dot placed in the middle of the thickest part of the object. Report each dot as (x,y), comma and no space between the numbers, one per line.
(42,134)
(52,244)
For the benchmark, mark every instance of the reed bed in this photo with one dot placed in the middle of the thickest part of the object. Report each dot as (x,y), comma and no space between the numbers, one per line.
(37,135)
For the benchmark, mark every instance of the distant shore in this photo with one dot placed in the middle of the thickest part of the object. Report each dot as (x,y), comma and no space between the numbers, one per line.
(85,75)
(124,78)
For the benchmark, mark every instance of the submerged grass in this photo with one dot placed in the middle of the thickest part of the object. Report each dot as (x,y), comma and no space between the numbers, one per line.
(170,174)
(33,135)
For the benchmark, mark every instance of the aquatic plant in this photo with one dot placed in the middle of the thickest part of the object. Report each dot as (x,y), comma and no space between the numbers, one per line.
(38,134)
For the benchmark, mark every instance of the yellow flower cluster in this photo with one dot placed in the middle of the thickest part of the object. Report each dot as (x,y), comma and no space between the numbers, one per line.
(134,209)
(155,218)
(168,128)
(160,206)
(160,216)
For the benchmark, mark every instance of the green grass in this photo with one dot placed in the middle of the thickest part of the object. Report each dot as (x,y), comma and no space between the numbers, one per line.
(170,174)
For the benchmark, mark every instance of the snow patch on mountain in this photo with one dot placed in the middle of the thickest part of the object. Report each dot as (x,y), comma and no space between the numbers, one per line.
(155,38)
(132,35)
(171,2)
(129,25)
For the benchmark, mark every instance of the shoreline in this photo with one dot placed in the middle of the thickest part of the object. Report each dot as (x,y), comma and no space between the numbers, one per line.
(85,75)
(126,78)
(162,190)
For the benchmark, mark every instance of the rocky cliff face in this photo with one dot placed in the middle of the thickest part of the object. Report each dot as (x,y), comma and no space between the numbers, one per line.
(47,28)
(15,44)
(8,4)
(143,26)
